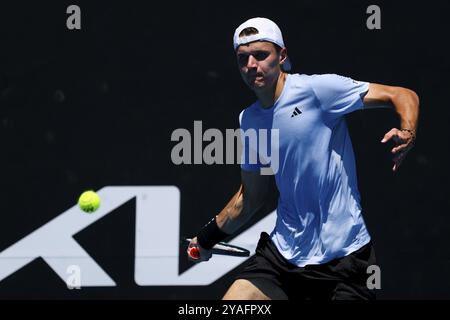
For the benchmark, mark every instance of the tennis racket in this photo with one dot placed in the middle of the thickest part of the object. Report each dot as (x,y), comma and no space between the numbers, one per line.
(221,248)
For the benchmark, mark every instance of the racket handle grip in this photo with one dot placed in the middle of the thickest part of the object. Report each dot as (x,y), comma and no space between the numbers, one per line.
(194,253)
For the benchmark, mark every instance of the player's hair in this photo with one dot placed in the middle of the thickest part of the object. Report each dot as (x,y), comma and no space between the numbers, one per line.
(251,31)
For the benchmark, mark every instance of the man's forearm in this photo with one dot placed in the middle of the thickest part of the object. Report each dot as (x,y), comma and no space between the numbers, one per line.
(257,192)
(403,100)
(225,223)
(406,103)
(231,217)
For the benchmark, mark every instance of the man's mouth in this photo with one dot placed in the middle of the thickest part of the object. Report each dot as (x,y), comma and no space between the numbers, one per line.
(256,77)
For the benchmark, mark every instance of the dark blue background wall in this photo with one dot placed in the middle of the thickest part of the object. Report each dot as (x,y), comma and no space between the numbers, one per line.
(96,107)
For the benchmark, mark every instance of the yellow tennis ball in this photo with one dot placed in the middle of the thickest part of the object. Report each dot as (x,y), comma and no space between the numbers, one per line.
(89,201)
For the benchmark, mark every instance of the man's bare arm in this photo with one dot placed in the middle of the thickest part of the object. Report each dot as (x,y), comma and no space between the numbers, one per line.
(256,191)
(403,100)
(406,104)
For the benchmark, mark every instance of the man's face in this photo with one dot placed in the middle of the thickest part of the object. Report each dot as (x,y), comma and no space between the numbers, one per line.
(259,64)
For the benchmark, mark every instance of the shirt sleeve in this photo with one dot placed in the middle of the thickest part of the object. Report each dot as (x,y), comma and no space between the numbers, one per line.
(338,95)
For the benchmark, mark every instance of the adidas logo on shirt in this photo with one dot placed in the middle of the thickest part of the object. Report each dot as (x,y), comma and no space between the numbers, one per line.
(296,112)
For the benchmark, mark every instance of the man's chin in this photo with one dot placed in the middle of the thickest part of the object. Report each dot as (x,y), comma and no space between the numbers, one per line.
(255,85)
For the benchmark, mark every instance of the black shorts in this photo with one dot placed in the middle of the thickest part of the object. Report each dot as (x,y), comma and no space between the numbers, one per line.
(340,279)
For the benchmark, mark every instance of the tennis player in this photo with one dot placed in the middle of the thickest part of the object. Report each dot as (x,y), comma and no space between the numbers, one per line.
(320,247)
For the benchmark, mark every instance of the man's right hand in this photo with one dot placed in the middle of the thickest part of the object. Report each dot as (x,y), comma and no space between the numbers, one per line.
(203,254)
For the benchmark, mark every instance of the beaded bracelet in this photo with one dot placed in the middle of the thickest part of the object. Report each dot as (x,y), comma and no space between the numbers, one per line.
(413,134)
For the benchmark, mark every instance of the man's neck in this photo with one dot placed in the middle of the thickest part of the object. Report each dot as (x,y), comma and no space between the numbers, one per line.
(268,97)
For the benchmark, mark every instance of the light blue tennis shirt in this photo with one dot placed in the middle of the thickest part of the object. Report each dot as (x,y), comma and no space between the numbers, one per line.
(319,213)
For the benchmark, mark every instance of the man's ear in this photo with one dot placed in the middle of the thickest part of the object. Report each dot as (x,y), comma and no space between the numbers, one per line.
(283,55)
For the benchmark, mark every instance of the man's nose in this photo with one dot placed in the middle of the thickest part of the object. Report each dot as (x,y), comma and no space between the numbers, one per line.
(251,62)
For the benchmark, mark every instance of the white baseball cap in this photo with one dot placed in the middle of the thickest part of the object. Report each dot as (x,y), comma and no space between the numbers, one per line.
(267,31)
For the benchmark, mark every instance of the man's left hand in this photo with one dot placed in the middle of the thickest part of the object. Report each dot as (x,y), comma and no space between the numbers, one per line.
(403,140)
